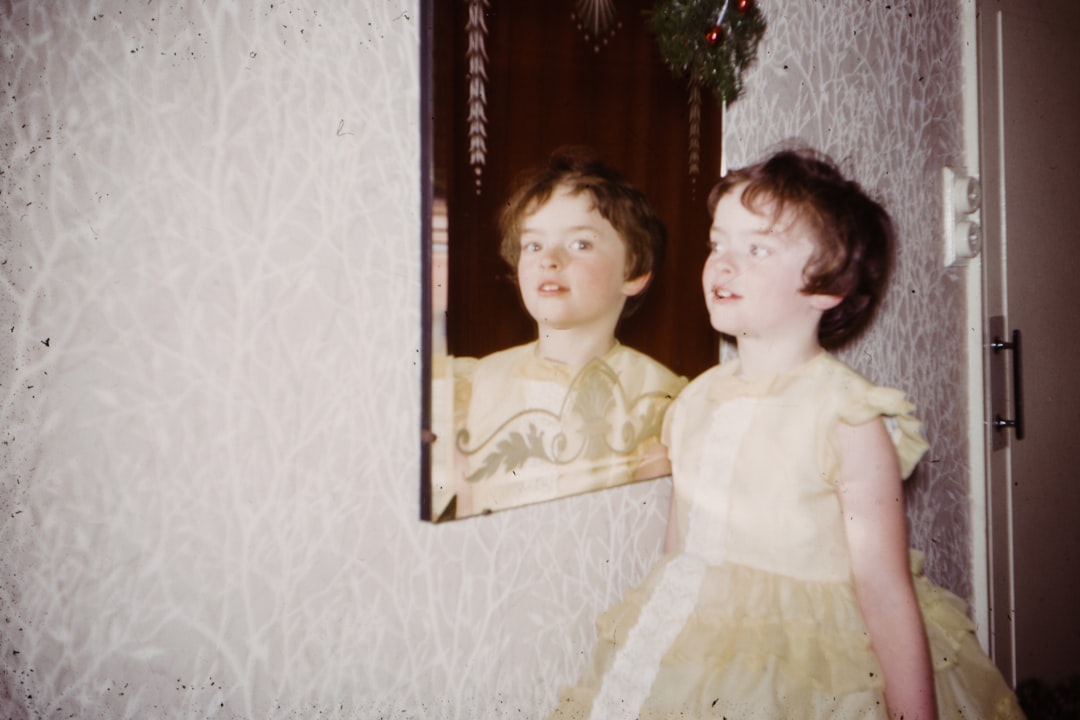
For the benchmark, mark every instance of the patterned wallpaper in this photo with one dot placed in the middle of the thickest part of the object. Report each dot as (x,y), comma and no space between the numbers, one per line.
(209,371)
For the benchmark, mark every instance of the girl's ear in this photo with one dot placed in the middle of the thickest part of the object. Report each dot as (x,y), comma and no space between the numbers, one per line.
(825,302)
(636,286)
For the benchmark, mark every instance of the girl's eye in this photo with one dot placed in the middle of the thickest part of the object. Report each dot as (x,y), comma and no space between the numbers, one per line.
(530,247)
(759,251)
(581,244)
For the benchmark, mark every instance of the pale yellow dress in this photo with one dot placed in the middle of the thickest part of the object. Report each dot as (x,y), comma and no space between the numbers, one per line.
(756,617)
(528,429)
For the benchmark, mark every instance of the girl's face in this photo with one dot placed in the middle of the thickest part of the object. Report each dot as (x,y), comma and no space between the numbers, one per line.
(753,277)
(572,267)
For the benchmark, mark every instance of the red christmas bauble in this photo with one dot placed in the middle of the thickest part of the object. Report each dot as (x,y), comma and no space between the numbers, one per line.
(715,36)
(744,5)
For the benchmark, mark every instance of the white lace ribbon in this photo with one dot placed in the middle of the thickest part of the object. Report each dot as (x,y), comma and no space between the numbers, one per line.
(629,681)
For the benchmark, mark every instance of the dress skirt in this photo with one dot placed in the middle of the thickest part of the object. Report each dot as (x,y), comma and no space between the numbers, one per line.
(750,644)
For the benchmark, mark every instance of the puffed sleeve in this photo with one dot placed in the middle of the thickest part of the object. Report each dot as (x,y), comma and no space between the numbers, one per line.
(894,408)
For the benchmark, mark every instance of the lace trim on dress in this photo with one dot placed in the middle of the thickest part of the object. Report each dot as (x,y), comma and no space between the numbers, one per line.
(628,682)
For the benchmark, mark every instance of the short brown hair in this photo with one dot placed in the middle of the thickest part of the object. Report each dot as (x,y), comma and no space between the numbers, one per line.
(853,234)
(580,170)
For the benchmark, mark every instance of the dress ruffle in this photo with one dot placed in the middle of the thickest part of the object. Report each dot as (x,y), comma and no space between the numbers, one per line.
(761,645)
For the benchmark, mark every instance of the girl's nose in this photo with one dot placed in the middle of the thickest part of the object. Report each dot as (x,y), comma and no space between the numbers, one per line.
(550,258)
(720,261)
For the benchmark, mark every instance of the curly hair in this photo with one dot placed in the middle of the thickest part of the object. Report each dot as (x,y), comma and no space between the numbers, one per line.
(853,234)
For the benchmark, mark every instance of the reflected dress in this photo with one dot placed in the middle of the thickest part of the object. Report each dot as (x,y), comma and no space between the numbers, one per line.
(756,615)
(529,429)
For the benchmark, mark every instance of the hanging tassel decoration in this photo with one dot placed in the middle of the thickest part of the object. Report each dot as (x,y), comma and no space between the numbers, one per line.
(695,130)
(476,80)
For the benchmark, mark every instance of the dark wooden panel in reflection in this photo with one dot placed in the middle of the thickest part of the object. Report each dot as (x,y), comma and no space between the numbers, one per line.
(547,86)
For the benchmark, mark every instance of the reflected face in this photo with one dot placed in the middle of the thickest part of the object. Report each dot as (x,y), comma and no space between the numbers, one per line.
(572,267)
(753,277)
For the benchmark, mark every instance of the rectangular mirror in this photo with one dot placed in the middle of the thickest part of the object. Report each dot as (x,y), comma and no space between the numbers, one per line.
(504,84)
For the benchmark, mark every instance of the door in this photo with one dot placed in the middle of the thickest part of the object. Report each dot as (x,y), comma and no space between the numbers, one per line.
(1029,68)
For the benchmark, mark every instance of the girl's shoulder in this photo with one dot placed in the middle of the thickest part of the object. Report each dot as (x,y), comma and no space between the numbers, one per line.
(859,401)
(825,380)
(508,356)
(823,375)
(831,368)
(631,364)
(700,385)
(858,398)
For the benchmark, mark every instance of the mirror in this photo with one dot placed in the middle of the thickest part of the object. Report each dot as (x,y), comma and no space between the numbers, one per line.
(504,84)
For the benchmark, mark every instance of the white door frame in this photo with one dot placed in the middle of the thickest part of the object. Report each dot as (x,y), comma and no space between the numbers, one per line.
(975,343)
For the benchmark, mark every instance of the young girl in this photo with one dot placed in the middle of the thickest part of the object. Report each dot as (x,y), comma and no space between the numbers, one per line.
(787,592)
(574,410)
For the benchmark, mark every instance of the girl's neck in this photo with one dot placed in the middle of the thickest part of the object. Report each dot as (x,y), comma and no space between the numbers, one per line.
(760,357)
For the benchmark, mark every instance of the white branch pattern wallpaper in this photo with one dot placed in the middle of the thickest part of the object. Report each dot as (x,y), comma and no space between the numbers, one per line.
(210,369)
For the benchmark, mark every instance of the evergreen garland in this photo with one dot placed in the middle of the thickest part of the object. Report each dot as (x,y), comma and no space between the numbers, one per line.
(710,41)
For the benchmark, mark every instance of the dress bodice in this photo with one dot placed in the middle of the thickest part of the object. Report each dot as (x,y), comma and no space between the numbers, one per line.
(530,429)
(755,464)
